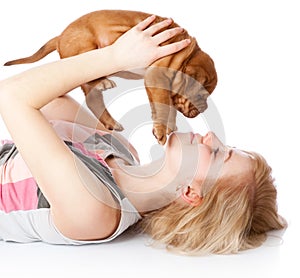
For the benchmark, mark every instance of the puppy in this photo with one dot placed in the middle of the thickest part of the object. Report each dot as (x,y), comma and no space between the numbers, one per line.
(182,80)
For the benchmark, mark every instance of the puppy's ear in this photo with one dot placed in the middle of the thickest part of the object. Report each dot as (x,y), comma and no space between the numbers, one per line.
(201,67)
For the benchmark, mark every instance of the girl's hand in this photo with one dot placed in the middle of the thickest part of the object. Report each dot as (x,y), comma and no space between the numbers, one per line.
(139,47)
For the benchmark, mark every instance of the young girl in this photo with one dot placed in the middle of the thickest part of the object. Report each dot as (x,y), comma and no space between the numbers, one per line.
(67,180)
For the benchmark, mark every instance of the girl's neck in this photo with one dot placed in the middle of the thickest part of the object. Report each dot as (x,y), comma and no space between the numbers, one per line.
(148,186)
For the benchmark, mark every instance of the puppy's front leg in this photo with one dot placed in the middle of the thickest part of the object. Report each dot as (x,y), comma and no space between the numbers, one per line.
(158,86)
(163,113)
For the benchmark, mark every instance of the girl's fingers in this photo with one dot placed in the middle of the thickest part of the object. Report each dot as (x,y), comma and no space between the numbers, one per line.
(167,34)
(145,23)
(144,42)
(158,26)
(172,48)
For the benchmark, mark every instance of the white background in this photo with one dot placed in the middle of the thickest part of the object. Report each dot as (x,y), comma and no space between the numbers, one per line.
(255,47)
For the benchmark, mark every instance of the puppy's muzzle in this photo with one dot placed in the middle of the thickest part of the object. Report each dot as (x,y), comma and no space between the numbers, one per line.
(191,106)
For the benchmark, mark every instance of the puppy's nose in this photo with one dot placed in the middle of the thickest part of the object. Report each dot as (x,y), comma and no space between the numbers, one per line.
(202,107)
(193,113)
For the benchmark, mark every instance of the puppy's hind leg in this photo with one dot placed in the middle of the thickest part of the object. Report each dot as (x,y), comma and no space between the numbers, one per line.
(94,100)
(74,41)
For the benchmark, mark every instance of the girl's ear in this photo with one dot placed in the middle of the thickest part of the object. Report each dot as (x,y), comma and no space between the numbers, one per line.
(190,196)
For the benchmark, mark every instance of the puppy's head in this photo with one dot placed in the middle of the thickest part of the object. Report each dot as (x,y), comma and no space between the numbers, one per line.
(193,84)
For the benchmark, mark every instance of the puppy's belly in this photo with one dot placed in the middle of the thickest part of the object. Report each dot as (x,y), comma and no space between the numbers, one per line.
(133,74)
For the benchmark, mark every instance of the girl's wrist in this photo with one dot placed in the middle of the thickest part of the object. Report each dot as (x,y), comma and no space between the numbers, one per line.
(102,62)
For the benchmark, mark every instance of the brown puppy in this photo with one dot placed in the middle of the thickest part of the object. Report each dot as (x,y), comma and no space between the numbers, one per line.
(183,80)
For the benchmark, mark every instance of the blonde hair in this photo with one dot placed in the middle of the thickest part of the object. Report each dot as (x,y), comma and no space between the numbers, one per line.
(235,215)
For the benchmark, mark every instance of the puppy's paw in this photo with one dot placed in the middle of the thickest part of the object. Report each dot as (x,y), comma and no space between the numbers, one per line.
(109,122)
(113,125)
(170,130)
(160,133)
(105,84)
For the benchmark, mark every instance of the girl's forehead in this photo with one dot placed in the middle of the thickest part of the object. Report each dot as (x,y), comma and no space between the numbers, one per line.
(240,152)
(241,159)
(246,155)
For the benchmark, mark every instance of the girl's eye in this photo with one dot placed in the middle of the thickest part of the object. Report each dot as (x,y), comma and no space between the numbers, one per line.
(215,151)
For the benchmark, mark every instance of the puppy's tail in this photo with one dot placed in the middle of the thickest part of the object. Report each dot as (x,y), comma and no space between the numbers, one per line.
(47,48)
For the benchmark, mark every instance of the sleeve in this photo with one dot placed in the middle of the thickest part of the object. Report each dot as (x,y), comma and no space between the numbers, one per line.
(26,226)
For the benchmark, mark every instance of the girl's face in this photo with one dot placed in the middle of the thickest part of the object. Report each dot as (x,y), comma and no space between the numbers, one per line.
(194,158)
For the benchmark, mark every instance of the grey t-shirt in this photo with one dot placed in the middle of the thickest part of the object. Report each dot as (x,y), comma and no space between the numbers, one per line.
(37,225)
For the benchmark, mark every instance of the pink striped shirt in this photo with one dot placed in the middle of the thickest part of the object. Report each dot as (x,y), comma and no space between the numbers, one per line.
(18,189)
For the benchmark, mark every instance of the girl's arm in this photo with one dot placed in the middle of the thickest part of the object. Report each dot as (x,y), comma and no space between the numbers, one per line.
(66,108)
(49,160)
